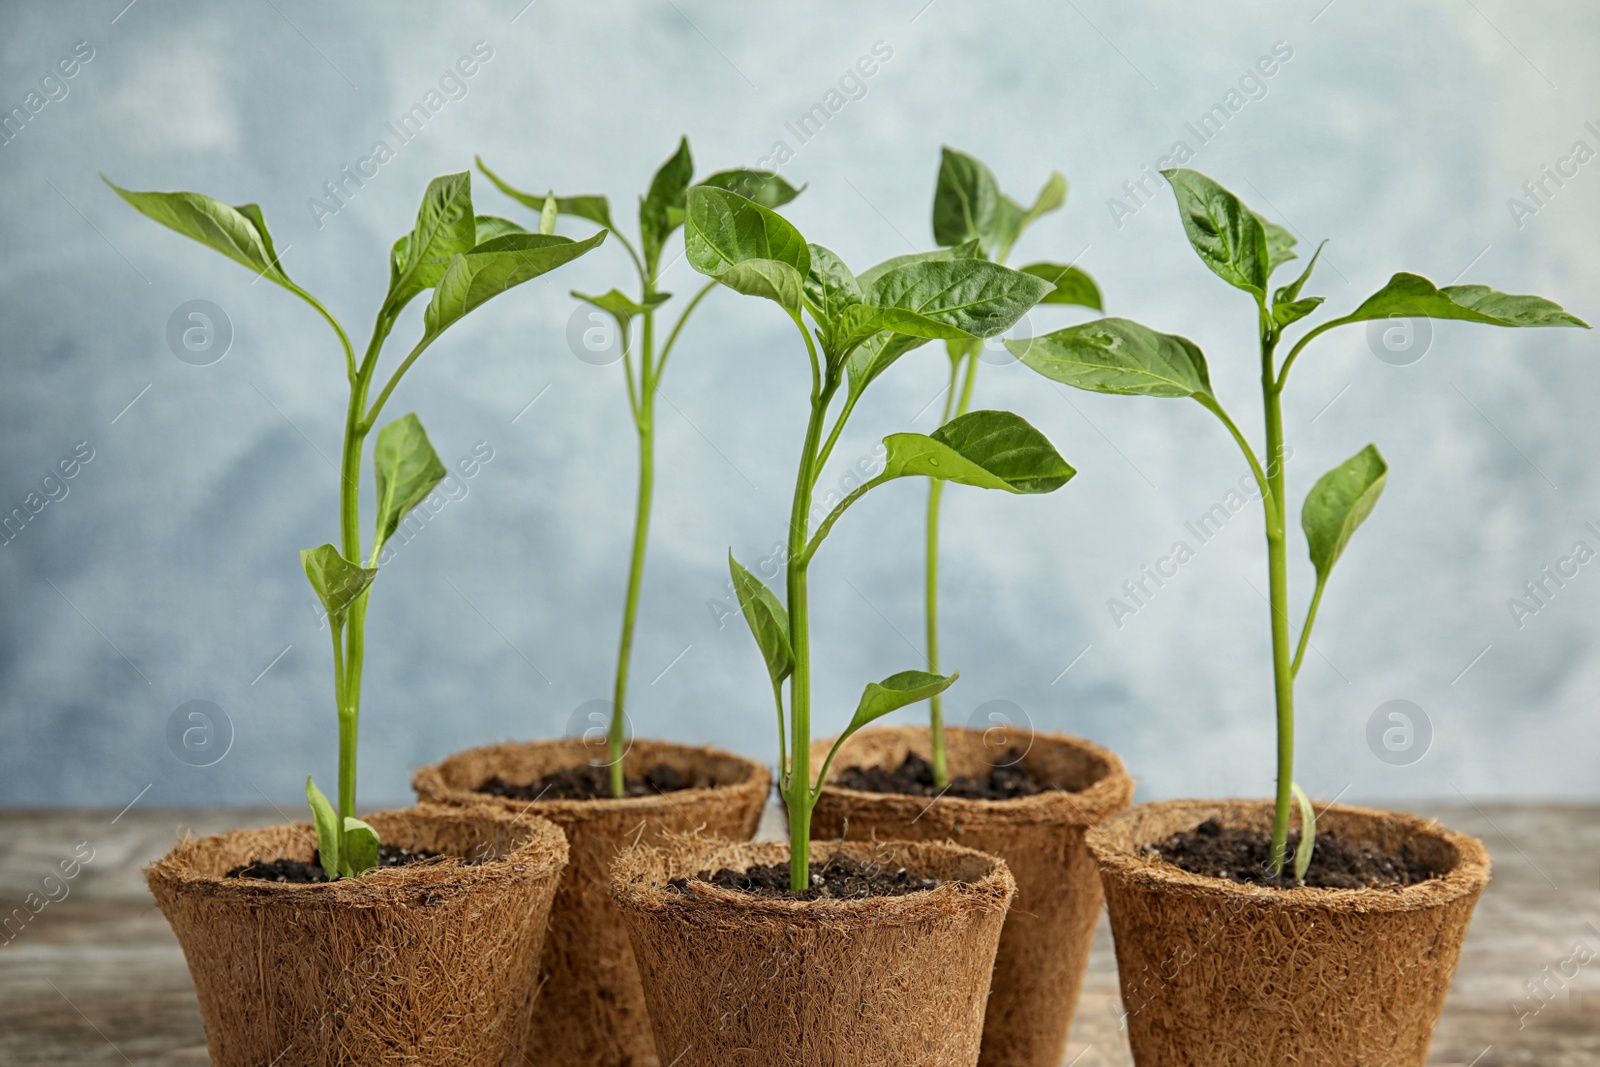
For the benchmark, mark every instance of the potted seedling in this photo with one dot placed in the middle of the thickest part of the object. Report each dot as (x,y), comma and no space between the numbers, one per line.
(765,953)
(1241,938)
(999,788)
(341,942)
(604,792)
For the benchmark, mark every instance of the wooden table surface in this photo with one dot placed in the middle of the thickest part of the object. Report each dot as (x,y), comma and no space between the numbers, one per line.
(95,976)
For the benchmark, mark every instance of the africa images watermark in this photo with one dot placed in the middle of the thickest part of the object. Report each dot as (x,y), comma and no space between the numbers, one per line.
(1539,190)
(52,88)
(1541,589)
(1251,86)
(341,189)
(851,87)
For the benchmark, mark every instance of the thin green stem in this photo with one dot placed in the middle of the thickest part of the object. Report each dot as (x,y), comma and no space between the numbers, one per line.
(694,302)
(1278,595)
(783,745)
(1305,631)
(394,380)
(344,338)
(633,254)
(1262,480)
(839,509)
(630,611)
(1283,373)
(838,427)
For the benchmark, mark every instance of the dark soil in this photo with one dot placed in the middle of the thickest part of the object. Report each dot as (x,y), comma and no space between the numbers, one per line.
(301,872)
(838,878)
(1243,856)
(594,783)
(914,777)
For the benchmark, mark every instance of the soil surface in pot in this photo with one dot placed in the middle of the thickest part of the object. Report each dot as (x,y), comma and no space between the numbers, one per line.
(302,872)
(1241,855)
(588,782)
(837,878)
(914,777)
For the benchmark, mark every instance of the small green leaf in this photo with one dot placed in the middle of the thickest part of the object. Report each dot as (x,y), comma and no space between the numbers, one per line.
(1280,244)
(988,449)
(745,246)
(895,692)
(661,210)
(621,306)
(1011,219)
(830,288)
(1287,294)
(1412,296)
(767,620)
(1228,236)
(238,233)
(358,849)
(488,227)
(445,228)
(1051,196)
(1308,832)
(1294,311)
(326,821)
(1071,285)
(408,469)
(965,250)
(473,278)
(547,214)
(338,582)
(1339,502)
(596,209)
(1117,356)
(764,187)
(966,201)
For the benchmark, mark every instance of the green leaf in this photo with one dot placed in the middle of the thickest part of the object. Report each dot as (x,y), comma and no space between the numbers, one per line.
(358,849)
(1280,244)
(473,278)
(1412,296)
(1071,285)
(965,250)
(966,201)
(547,214)
(895,692)
(408,469)
(767,620)
(596,209)
(1228,236)
(1117,356)
(338,582)
(662,208)
(988,449)
(621,306)
(1339,502)
(445,228)
(1050,198)
(238,233)
(488,227)
(1294,311)
(326,820)
(764,187)
(830,288)
(1011,218)
(745,246)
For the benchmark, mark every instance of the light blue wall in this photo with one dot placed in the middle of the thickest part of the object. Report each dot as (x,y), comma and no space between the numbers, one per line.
(168,573)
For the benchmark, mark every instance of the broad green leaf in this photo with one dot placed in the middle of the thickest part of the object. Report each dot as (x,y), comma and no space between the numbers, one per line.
(326,821)
(358,849)
(1228,236)
(1280,244)
(661,210)
(596,209)
(965,250)
(491,268)
(746,246)
(878,353)
(1117,356)
(764,187)
(988,449)
(445,228)
(238,233)
(1070,285)
(338,582)
(408,469)
(966,200)
(1339,502)
(830,288)
(895,692)
(1412,296)
(767,620)
(488,227)
(547,214)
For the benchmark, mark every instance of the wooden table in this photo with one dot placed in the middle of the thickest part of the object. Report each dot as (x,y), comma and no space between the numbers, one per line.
(95,976)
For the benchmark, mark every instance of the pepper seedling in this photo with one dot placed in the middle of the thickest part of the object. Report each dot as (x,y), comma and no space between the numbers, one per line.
(661,212)
(859,326)
(1119,356)
(968,206)
(465,259)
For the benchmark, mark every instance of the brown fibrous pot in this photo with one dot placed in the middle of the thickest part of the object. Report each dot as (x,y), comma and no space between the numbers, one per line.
(735,980)
(1215,973)
(591,1009)
(1044,950)
(434,962)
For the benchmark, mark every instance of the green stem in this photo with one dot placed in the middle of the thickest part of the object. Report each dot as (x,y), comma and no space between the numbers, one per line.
(1305,631)
(941,772)
(1294,353)
(645,415)
(1278,595)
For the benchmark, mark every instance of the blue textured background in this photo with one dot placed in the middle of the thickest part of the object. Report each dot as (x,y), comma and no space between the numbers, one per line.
(168,573)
